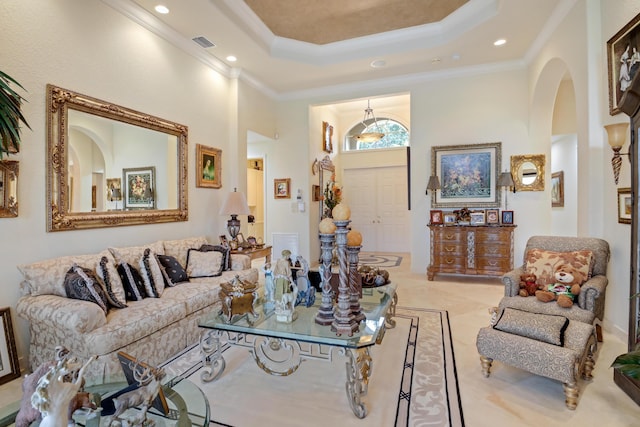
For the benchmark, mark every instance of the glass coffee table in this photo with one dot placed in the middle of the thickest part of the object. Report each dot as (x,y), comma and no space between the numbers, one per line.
(279,348)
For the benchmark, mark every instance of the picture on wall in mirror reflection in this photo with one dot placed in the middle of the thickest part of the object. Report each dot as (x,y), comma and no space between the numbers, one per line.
(139,188)
(209,161)
(624,205)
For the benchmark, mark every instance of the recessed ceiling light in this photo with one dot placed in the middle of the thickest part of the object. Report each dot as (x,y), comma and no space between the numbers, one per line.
(231,58)
(378,63)
(162,9)
(435,60)
(455,56)
(499,42)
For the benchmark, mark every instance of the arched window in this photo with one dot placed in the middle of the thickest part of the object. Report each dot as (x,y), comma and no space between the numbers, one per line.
(395,135)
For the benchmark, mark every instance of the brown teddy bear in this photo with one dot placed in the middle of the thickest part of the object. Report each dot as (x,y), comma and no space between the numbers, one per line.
(566,288)
(528,286)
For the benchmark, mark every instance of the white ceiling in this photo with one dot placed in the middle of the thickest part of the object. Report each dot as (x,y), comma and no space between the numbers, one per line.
(283,67)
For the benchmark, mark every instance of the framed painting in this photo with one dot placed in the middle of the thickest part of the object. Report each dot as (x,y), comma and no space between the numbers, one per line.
(209,170)
(327,137)
(114,189)
(436,217)
(507,217)
(557,189)
(624,205)
(449,219)
(9,365)
(282,188)
(468,175)
(139,188)
(623,60)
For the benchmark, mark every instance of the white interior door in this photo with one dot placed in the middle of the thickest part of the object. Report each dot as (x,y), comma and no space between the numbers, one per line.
(378,201)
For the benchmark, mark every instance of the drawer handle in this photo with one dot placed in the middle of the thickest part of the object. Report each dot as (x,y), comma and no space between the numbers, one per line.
(448,249)
(493,263)
(449,236)
(449,261)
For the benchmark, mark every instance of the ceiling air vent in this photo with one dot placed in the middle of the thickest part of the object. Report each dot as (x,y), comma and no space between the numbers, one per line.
(203,41)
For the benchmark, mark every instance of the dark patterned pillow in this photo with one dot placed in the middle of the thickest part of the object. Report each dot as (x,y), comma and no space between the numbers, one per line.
(226,254)
(132,282)
(172,270)
(108,285)
(82,283)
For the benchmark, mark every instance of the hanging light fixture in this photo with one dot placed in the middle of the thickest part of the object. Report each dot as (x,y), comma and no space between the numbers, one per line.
(369,137)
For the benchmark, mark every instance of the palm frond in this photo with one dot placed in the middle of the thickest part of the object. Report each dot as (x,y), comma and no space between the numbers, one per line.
(10,114)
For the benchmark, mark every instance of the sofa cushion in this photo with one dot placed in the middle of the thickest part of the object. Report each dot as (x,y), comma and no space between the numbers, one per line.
(224,250)
(47,277)
(151,274)
(544,263)
(132,254)
(132,281)
(204,264)
(173,272)
(108,273)
(82,283)
(540,327)
(179,248)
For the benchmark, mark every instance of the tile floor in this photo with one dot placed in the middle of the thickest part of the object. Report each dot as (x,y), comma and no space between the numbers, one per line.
(509,397)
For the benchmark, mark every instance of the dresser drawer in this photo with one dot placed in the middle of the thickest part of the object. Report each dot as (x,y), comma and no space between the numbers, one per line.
(449,262)
(493,235)
(453,248)
(493,250)
(495,264)
(449,234)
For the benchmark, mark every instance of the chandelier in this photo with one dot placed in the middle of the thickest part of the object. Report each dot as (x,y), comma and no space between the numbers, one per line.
(368,137)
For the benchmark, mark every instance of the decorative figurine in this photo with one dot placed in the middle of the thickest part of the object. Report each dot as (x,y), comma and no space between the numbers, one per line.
(269,287)
(286,290)
(306,292)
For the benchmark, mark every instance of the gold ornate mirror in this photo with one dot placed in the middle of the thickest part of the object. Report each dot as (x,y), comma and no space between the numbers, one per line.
(8,189)
(528,172)
(109,165)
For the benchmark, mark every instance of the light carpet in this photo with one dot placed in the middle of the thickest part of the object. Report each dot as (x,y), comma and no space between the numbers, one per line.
(379,260)
(414,383)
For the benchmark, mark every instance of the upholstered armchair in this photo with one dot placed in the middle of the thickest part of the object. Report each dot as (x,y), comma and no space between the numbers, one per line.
(589,306)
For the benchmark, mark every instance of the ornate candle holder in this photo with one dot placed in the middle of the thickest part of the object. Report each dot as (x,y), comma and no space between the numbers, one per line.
(325,312)
(344,321)
(355,284)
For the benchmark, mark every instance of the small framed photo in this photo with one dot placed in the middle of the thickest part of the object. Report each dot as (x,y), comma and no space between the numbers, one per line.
(223,240)
(240,238)
(493,216)
(436,217)
(557,189)
(624,205)
(9,365)
(477,218)
(139,187)
(282,188)
(507,217)
(449,219)
(209,167)
(315,191)
(252,241)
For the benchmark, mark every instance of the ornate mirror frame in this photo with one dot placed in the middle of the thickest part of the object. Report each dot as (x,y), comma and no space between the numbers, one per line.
(516,171)
(58,216)
(324,165)
(9,188)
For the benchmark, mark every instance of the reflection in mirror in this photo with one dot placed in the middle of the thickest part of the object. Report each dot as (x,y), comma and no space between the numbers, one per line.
(528,172)
(8,189)
(92,146)
(325,170)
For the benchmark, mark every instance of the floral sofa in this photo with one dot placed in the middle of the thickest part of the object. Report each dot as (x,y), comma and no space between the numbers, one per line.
(152,328)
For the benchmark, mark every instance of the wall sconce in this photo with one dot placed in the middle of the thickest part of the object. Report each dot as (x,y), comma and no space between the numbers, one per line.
(505,180)
(433,184)
(617,135)
(235,204)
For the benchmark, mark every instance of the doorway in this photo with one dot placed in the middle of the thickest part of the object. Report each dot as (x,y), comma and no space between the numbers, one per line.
(255,198)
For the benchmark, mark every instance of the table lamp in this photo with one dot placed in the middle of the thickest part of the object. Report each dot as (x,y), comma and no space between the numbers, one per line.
(235,204)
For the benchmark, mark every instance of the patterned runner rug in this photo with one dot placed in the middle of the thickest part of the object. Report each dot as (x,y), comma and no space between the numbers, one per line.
(413,382)
(379,260)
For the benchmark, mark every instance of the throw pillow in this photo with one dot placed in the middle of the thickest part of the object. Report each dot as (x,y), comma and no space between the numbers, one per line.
(151,274)
(82,283)
(540,327)
(544,264)
(108,273)
(172,270)
(224,250)
(204,264)
(179,248)
(132,281)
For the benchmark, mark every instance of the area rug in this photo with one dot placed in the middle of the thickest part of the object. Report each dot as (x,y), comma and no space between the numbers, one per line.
(379,260)
(414,383)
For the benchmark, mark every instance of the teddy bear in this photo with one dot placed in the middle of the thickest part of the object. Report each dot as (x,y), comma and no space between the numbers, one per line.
(528,286)
(566,288)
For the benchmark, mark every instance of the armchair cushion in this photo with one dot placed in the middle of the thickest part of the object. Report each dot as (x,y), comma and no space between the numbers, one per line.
(540,327)
(544,263)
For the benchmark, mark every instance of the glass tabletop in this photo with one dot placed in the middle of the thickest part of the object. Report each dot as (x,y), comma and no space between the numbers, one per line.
(374,304)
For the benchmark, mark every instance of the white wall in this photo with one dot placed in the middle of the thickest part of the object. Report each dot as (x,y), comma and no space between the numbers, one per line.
(563,158)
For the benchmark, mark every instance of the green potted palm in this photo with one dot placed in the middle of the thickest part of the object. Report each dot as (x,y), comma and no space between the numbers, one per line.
(627,370)
(10,115)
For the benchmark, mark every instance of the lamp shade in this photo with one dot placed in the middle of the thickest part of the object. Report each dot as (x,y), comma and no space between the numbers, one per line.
(506,180)
(434,183)
(617,134)
(235,204)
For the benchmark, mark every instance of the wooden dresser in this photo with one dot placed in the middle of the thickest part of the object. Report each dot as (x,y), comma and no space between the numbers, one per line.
(477,250)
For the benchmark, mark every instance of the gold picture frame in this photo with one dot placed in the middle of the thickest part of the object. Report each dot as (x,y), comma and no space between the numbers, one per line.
(9,365)
(557,189)
(620,62)
(327,137)
(208,167)
(624,205)
(528,172)
(282,188)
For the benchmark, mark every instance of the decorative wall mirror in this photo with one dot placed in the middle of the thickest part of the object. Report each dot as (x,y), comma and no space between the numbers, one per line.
(8,189)
(91,144)
(325,170)
(528,172)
